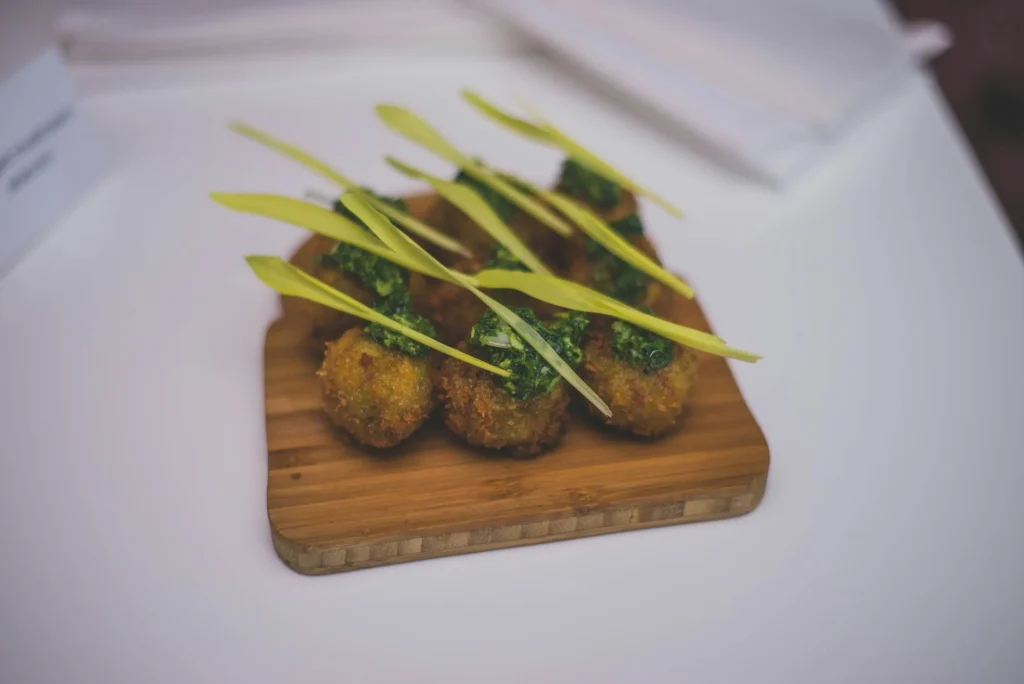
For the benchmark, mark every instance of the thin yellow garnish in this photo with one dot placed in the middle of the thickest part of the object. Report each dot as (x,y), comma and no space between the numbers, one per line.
(311,217)
(401,243)
(409,125)
(599,231)
(411,223)
(474,206)
(570,295)
(514,123)
(291,281)
(545,132)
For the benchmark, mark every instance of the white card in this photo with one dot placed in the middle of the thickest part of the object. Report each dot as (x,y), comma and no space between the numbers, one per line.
(50,154)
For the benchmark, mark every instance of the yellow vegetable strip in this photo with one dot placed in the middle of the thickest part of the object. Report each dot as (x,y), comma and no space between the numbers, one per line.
(394,238)
(526,331)
(514,123)
(606,236)
(546,132)
(411,126)
(311,217)
(570,295)
(289,280)
(474,206)
(319,167)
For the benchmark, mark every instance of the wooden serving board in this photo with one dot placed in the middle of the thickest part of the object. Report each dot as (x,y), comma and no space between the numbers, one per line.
(334,506)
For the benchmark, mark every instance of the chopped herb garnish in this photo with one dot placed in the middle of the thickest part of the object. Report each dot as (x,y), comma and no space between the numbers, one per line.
(504,259)
(629,226)
(378,274)
(568,327)
(397,309)
(640,348)
(587,185)
(495,200)
(530,374)
(613,276)
(396,202)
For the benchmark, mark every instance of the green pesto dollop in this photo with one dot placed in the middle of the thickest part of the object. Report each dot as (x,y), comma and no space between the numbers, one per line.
(398,309)
(504,259)
(379,275)
(613,276)
(396,202)
(501,205)
(640,348)
(531,375)
(566,335)
(587,185)
(628,227)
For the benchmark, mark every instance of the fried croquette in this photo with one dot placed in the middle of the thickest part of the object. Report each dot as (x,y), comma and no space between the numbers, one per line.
(379,396)
(479,410)
(451,308)
(644,403)
(325,323)
(591,265)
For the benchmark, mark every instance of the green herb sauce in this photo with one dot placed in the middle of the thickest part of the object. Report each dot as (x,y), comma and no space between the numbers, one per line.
(504,259)
(628,227)
(615,277)
(640,348)
(501,205)
(531,375)
(582,183)
(398,309)
(379,275)
(396,202)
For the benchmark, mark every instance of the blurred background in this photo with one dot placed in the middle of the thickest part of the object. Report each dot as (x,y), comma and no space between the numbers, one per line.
(774,82)
(764,89)
(982,79)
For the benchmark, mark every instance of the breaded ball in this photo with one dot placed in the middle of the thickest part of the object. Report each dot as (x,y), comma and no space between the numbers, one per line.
(646,404)
(534,234)
(583,270)
(454,310)
(476,408)
(451,308)
(325,323)
(377,395)
(625,207)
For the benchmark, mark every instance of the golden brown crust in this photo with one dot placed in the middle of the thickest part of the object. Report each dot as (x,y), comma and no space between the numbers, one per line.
(377,395)
(477,409)
(646,404)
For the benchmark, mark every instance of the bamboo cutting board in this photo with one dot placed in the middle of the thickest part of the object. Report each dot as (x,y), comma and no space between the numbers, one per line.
(334,506)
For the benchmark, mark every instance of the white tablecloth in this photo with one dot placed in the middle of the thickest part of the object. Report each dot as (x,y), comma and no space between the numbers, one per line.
(884,293)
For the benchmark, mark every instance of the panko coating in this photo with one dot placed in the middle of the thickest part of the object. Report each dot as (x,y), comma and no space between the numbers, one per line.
(478,409)
(377,395)
(649,404)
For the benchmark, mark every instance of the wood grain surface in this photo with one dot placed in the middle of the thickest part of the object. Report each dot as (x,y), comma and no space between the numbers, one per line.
(334,506)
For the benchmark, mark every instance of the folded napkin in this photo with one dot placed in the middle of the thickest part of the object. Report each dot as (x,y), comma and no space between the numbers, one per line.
(766,87)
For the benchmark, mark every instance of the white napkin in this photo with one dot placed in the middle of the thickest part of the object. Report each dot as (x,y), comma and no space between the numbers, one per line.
(118,32)
(763,86)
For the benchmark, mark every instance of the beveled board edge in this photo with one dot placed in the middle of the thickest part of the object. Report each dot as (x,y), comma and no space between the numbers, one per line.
(372,553)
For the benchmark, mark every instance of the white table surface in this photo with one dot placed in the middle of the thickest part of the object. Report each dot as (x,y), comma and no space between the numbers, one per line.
(884,293)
